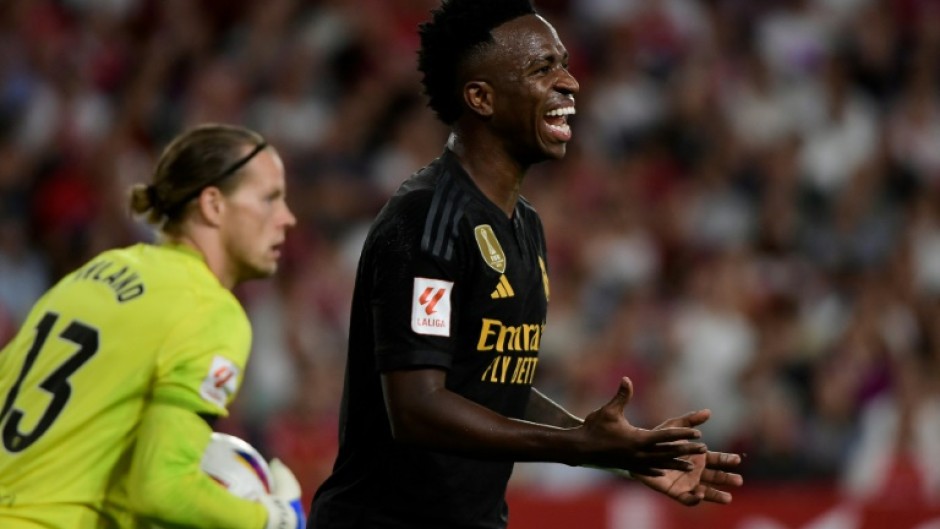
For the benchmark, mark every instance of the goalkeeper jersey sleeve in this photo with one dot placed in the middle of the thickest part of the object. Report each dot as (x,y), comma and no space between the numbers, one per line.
(134,329)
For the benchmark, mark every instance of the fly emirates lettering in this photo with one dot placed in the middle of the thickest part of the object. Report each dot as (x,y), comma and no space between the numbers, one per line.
(501,338)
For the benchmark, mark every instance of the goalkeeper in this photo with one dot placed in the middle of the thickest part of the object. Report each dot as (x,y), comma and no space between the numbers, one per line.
(110,388)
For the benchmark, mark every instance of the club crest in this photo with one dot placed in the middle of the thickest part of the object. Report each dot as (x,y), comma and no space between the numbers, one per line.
(490,249)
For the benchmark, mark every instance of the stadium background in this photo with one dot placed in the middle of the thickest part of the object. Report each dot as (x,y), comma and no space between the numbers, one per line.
(748,220)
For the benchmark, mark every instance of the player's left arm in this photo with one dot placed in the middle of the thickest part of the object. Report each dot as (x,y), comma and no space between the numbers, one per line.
(166,484)
(198,374)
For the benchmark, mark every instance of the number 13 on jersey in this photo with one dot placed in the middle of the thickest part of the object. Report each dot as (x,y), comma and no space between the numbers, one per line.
(83,340)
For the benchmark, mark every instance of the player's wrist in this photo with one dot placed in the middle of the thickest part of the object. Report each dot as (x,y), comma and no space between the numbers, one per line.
(619,472)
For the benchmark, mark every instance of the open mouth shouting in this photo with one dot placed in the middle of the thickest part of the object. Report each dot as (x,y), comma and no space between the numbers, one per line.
(557,122)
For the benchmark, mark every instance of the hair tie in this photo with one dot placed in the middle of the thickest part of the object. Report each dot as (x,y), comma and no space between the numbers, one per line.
(225,173)
(152,195)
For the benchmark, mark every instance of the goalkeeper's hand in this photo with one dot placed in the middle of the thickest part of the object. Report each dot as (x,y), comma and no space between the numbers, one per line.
(283,504)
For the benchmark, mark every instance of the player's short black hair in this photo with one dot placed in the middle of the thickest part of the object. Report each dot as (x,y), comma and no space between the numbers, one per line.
(456,29)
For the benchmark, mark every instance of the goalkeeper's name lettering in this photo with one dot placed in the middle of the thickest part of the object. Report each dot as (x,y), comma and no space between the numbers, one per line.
(123,280)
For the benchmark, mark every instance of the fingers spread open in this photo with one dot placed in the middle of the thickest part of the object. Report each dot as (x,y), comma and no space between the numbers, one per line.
(689,420)
(671,435)
(697,418)
(721,478)
(669,450)
(722,460)
(717,496)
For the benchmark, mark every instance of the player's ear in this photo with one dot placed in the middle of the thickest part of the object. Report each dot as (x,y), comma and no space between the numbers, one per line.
(211,205)
(478,95)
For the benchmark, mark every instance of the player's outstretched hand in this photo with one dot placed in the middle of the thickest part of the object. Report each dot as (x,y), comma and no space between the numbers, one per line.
(283,504)
(709,470)
(615,443)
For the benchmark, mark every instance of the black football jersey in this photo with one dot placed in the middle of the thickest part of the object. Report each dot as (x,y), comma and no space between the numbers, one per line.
(446,280)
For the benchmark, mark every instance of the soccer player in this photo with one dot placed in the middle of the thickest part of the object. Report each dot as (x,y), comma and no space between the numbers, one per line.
(450,307)
(109,390)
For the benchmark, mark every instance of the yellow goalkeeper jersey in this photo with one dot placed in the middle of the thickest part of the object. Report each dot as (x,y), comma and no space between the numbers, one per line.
(134,327)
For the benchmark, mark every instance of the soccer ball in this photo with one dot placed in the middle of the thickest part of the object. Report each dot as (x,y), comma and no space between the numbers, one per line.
(237,466)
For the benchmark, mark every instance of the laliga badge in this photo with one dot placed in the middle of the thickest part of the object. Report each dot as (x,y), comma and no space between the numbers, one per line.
(220,382)
(490,249)
(430,307)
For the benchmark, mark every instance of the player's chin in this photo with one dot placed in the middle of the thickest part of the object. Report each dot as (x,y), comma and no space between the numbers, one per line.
(269,270)
(553,141)
(263,269)
(559,151)
(553,149)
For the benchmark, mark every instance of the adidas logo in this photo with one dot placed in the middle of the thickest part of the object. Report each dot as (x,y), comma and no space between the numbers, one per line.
(503,289)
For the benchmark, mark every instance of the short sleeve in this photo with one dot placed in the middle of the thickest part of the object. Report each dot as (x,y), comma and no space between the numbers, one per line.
(202,361)
(413,296)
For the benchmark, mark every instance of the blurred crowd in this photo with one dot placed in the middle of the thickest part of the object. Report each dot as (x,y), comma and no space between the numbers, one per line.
(748,218)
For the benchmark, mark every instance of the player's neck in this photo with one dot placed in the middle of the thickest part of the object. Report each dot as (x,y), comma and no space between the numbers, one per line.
(493,171)
(212,252)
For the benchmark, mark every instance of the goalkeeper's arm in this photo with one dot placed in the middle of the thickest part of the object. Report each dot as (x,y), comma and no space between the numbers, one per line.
(166,483)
